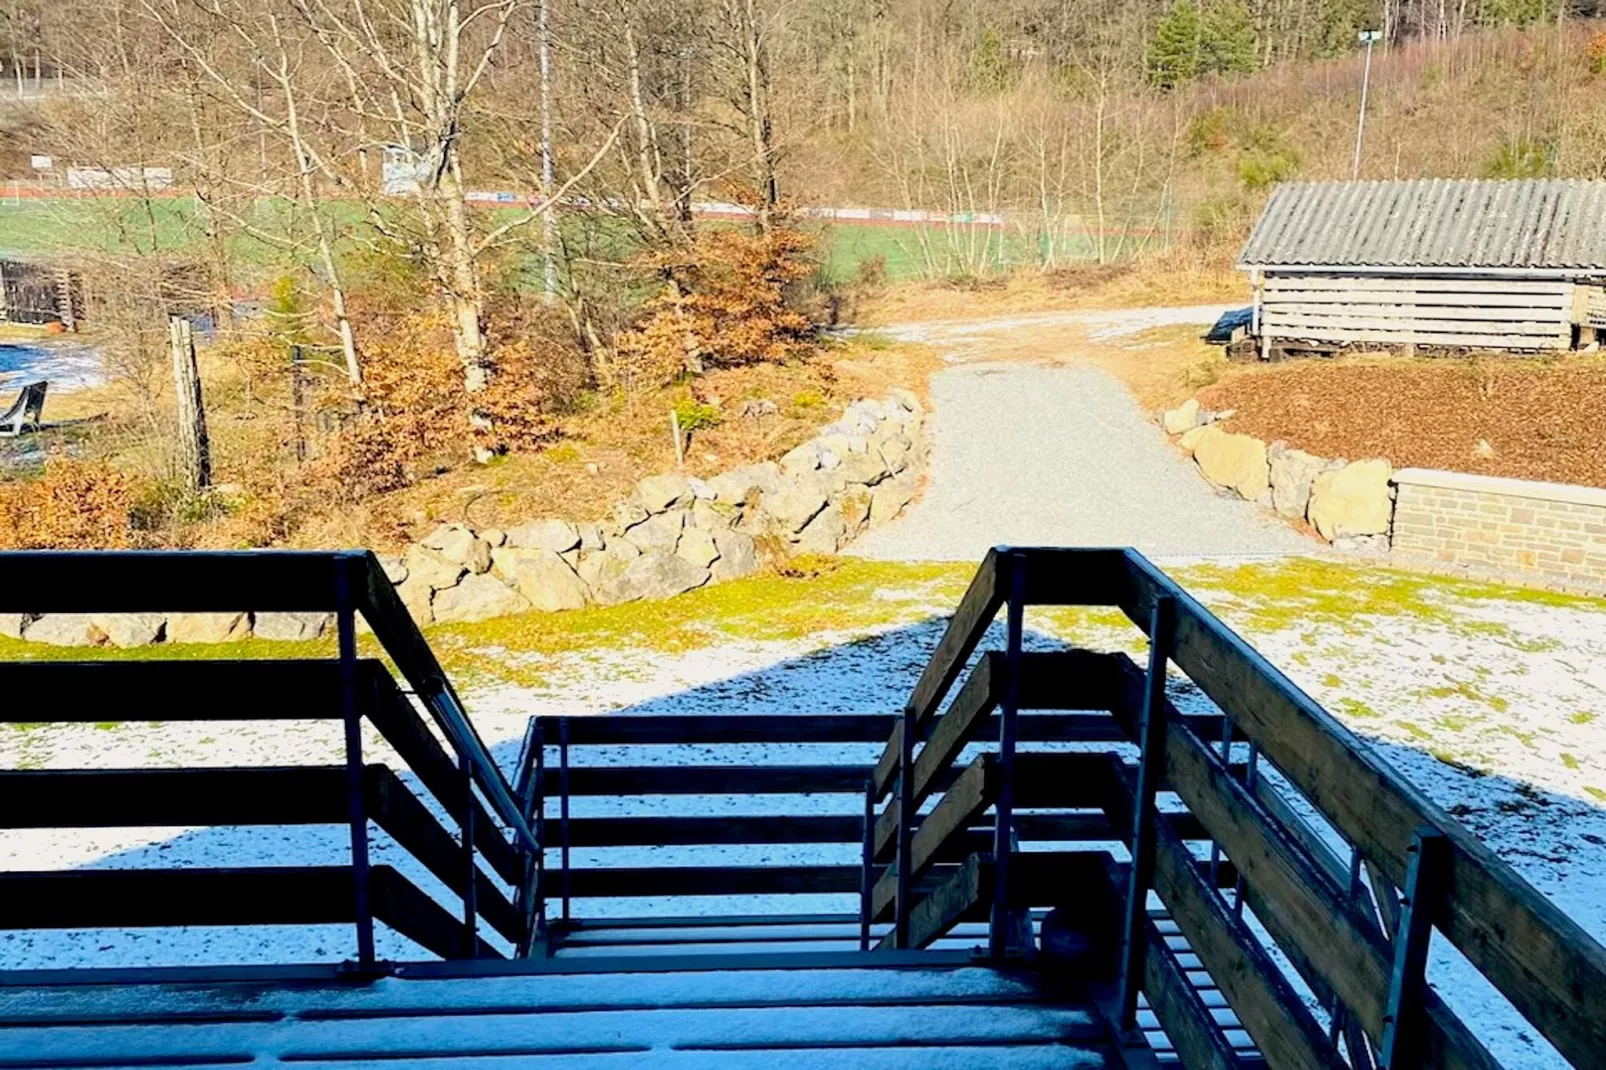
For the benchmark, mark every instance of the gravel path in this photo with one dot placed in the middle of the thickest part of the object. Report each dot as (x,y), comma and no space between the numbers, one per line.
(1061,455)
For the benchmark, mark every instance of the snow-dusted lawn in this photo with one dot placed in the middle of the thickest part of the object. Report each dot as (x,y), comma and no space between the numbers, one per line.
(1490,699)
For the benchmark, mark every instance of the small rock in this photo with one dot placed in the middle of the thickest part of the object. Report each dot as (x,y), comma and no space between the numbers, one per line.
(823,534)
(477,598)
(906,399)
(661,492)
(697,546)
(1292,472)
(292,627)
(712,516)
(65,629)
(590,536)
(830,459)
(550,534)
(495,536)
(652,575)
(1181,418)
(889,498)
(659,532)
(395,567)
(430,567)
(1234,461)
(755,408)
(543,577)
(794,506)
(701,489)
(734,487)
(1353,500)
(738,556)
(626,514)
(208,627)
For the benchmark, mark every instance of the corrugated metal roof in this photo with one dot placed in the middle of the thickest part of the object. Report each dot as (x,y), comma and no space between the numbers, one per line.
(1532,224)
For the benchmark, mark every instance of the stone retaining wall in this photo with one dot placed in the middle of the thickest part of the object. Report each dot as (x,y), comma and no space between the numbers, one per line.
(674,533)
(1514,530)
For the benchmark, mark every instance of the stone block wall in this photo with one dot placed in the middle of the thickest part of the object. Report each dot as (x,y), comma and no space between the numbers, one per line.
(1512,530)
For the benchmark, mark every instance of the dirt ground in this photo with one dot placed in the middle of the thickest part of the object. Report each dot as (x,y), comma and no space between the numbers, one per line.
(1521,418)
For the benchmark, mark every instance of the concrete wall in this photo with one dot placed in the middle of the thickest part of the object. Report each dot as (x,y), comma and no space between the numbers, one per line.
(1514,530)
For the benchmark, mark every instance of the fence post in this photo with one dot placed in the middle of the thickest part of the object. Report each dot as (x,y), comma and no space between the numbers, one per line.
(1000,927)
(194,448)
(471,913)
(1425,875)
(867,878)
(563,806)
(1151,764)
(346,637)
(906,817)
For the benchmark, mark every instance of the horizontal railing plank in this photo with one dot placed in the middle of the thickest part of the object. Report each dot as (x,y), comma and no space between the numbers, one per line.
(971,794)
(168,581)
(707,780)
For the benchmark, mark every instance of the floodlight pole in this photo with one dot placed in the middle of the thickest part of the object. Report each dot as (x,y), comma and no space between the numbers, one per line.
(1367,38)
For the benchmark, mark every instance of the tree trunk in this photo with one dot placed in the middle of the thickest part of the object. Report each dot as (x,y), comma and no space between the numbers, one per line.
(194,448)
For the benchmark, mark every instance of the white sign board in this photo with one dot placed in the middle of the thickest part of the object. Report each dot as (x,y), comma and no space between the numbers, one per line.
(121,178)
(41,163)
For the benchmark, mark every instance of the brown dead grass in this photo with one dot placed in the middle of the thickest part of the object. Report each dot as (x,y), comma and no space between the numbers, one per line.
(1180,279)
(1525,419)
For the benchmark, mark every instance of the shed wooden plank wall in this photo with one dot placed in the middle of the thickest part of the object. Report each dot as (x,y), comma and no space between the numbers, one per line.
(1497,313)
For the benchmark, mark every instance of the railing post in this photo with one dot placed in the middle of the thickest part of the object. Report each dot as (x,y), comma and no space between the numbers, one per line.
(1250,779)
(906,817)
(351,712)
(540,833)
(867,877)
(563,806)
(1425,877)
(1000,927)
(471,912)
(1151,764)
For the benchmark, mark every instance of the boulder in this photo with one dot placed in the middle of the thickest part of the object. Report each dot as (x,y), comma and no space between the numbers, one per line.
(208,627)
(734,487)
(799,461)
(495,536)
(13,624)
(1353,500)
(794,505)
(626,514)
(701,489)
(477,598)
(906,400)
(888,499)
(133,629)
(866,469)
(432,568)
(738,556)
(598,569)
(661,492)
(712,516)
(292,627)
(653,575)
(1234,461)
(590,536)
(855,506)
(1181,418)
(457,543)
(697,546)
(394,566)
(64,629)
(543,578)
(894,452)
(823,534)
(658,532)
(830,459)
(1189,442)
(1292,472)
(549,534)
(415,595)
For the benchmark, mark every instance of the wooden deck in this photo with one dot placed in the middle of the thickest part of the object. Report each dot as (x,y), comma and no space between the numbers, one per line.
(1039,862)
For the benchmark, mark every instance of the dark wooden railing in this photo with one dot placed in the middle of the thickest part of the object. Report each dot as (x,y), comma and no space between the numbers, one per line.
(1356,930)
(462,778)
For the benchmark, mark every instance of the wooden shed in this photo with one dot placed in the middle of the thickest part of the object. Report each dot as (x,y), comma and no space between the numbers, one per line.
(1460,264)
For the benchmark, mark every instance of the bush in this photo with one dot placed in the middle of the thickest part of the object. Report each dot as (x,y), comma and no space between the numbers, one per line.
(73,505)
(872,271)
(1522,158)
(693,415)
(1595,52)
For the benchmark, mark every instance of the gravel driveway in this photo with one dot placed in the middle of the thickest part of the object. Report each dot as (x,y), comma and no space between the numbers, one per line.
(1061,455)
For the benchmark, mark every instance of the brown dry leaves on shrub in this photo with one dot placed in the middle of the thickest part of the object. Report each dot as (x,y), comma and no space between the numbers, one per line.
(725,300)
(73,505)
